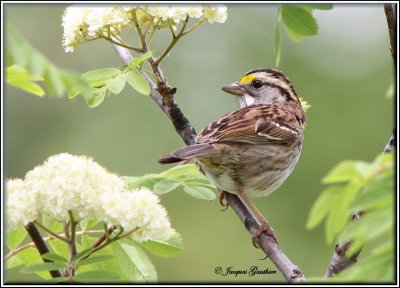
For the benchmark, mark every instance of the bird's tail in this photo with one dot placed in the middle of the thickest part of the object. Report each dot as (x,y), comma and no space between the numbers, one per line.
(188,153)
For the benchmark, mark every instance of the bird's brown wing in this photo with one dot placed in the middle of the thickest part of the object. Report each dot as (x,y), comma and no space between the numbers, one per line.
(257,124)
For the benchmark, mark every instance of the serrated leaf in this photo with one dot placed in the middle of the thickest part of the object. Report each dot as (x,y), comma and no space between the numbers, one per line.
(277,45)
(94,259)
(116,84)
(97,78)
(298,20)
(137,81)
(54,257)
(96,276)
(42,267)
(133,262)
(199,192)
(139,60)
(15,238)
(168,248)
(323,205)
(165,186)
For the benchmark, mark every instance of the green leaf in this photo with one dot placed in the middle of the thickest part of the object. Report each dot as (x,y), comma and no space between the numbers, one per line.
(367,228)
(165,186)
(54,257)
(87,224)
(138,61)
(52,224)
(59,247)
(54,83)
(83,253)
(19,77)
(168,248)
(199,192)
(298,20)
(293,35)
(318,6)
(48,266)
(116,84)
(96,276)
(323,205)
(38,64)
(377,193)
(19,48)
(97,78)
(343,172)
(95,259)
(97,96)
(15,238)
(133,262)
(148,181)
(137,81)
(13,262)
(182,172)
(277,45)
(31,256)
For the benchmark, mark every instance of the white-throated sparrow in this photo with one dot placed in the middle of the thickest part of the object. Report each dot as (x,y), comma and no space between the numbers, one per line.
(252,150)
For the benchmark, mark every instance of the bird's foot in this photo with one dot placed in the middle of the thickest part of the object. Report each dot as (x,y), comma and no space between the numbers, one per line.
(223,201)
(264,227)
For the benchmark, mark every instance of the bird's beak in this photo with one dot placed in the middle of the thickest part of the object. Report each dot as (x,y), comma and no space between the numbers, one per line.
(234,89)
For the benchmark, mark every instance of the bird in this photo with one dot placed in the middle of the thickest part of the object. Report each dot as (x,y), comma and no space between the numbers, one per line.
(251,151)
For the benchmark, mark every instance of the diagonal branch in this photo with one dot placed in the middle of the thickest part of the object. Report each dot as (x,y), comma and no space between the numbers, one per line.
(340,260)
(185,130)
(40,245)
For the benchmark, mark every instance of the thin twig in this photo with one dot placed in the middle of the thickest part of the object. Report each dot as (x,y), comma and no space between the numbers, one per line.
(55,235)
(173,42)
(142,37)
(138,50)
(19,249)
(340,260)
(72,242)
(201,21)
(40,245)
(187,133)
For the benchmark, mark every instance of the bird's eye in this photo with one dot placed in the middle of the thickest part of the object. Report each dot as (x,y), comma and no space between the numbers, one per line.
(257,84)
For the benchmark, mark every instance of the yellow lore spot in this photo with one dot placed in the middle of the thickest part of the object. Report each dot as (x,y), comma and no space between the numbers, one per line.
(247,78)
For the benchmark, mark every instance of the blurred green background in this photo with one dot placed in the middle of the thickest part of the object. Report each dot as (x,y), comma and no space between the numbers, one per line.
(344,73)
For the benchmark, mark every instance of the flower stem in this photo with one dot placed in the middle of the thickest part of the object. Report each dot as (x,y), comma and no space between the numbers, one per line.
(125,45)
(173,42)
(55,235)
(201,21)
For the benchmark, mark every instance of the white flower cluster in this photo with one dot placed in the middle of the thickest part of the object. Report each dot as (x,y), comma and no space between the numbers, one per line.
(80,185)
(82,23)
